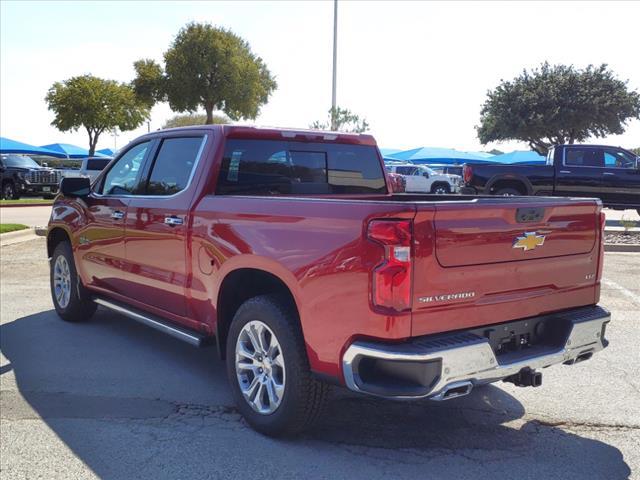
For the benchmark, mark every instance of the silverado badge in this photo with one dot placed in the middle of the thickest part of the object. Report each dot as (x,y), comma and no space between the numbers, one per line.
(529,241)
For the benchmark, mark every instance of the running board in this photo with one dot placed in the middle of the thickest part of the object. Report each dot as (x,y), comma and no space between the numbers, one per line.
(153,321)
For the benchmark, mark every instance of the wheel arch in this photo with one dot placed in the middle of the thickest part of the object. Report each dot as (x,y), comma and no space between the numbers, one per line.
(254,282)
(519,182)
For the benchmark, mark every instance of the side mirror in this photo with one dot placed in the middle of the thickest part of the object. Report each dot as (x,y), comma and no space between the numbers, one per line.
(75,186)
(426,175)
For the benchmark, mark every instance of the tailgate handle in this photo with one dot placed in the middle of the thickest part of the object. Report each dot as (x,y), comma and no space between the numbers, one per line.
(529,214)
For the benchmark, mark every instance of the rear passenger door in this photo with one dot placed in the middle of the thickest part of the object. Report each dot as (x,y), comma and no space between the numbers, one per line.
(157,224)
(581,173)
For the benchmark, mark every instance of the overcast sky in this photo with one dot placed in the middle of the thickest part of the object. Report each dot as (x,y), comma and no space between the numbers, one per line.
(418,72)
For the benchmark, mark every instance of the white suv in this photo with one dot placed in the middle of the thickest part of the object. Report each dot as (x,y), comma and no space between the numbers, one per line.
(422,179)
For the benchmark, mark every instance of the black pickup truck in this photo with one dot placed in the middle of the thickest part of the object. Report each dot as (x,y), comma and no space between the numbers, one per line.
(609,173)
(21,175)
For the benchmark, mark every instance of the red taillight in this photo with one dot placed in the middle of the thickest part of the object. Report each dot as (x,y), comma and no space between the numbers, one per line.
(467,173)
(391,280)
(603,219)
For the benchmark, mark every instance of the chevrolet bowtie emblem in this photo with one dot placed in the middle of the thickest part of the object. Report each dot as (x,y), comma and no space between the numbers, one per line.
(529,241)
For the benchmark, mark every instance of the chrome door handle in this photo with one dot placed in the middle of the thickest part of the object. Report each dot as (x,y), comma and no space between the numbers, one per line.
(608,173)
(117,215)
(173,221)
(565,171)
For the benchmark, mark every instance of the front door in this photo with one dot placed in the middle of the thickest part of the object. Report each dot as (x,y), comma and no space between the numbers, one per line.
(101,242)
(157,225)
(622,170)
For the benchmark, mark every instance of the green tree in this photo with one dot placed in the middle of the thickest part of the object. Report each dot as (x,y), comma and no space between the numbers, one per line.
(342,120)
(636,150)
(95,104)
(189,119)
(557,104)
(208,67)
(495,151)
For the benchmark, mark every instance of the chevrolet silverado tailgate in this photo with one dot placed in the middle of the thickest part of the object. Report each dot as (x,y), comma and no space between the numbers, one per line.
(498,259)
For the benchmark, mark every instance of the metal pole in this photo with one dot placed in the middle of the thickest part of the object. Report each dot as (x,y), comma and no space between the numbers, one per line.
(335,62)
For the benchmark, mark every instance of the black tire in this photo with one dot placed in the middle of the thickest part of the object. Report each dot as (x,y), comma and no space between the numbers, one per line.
(9,191)
(508,192)
(440,189)
(48,196)
(79,307)
(304,396)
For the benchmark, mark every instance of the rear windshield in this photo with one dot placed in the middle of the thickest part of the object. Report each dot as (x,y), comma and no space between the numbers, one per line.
(272,167)
(97,163)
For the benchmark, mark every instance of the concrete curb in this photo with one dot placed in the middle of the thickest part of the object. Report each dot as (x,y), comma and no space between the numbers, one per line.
(17,237)
(622,247)
(23,205)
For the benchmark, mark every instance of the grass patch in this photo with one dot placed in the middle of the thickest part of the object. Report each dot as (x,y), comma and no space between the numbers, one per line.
(25,201)
(11,227)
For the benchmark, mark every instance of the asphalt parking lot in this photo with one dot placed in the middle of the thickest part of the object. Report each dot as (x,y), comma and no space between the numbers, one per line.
(114,399)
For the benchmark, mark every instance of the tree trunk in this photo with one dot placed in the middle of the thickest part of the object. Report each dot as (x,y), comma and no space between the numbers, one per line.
(209,109)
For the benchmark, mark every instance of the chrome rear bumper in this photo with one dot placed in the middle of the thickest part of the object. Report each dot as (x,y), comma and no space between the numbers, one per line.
(440,367)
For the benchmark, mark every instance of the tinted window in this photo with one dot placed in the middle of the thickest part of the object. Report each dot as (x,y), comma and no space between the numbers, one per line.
(97,163)
(584,157)
(406,170)
(270,167)
(173,165)
(122,177)
(619,159)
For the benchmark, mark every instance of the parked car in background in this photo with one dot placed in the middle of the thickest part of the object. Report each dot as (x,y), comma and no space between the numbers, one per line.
(398,182)
(21,175)
(611,174)
(288,251)
(449,169)
(90,168)
(422,179)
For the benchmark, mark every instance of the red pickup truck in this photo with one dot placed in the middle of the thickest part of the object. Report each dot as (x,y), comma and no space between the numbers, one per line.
(289,250)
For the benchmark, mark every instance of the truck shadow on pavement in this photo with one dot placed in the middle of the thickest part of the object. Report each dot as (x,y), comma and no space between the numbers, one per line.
(130,402)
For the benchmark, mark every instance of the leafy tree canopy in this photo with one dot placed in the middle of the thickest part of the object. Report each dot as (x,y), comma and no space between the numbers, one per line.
(557,104)
(636,150)
(95,104)
(208,67)
(342,120)
(189,119)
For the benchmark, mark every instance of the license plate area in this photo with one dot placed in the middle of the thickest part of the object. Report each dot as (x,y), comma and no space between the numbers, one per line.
(522,335)
(46,189)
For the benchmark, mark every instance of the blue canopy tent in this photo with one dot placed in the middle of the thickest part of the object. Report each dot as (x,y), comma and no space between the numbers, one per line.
(520,157)
(69,151)
(12,146)
(106,151)
(429,155)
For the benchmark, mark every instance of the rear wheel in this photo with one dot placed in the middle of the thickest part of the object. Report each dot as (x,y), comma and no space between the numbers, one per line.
(268,369)
(440,189)
(508,192)
(70,299)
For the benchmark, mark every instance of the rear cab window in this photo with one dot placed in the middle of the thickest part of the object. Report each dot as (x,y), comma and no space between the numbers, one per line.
(274,167)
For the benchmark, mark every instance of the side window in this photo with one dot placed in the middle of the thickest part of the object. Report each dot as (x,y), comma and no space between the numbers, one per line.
(173,165)
(122,178)
(584,157)
(618,159)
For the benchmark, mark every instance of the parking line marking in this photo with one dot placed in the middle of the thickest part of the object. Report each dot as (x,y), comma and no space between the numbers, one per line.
(624,291)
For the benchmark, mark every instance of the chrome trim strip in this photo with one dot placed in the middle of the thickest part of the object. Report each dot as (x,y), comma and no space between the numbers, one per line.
(150,322)
(476,363)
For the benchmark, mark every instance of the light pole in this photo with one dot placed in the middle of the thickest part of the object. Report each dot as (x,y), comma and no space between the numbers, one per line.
(114,134)
(335,66)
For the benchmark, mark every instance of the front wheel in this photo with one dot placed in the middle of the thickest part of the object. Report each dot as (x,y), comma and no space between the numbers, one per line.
(268,369)
(9,192)
(70,299)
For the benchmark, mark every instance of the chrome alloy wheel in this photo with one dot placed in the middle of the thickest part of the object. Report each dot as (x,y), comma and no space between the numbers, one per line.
(260,367)
(62,281)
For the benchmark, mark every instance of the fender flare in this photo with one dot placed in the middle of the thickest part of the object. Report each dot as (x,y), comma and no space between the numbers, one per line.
(510,177)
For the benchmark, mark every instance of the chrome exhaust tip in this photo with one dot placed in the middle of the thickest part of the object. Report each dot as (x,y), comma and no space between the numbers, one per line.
(453,390)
